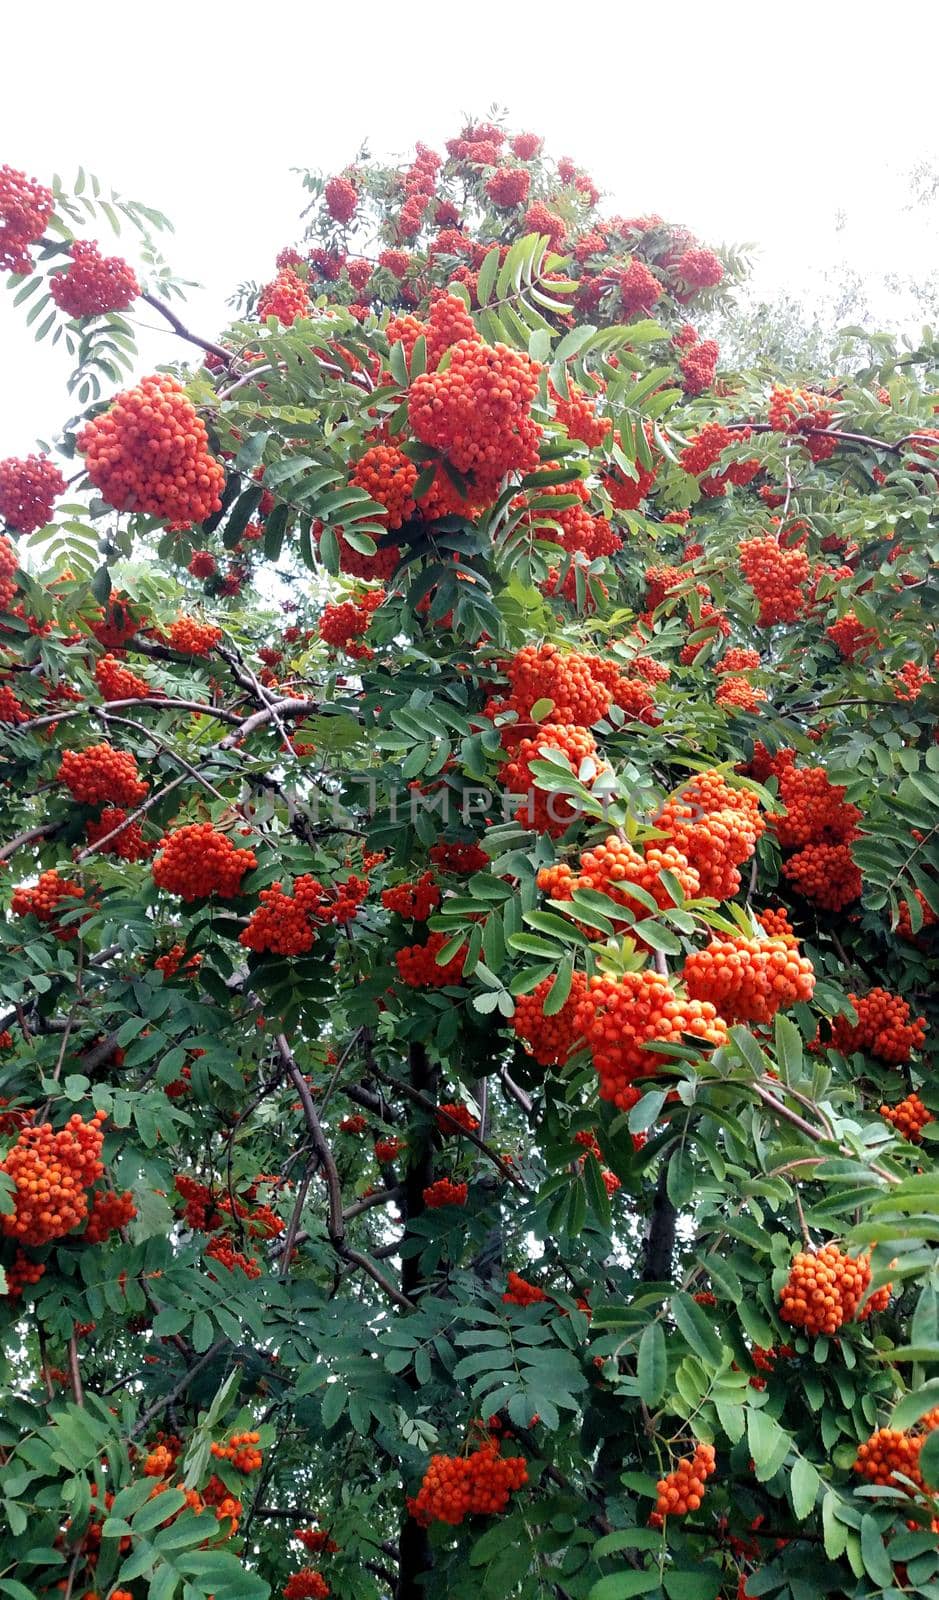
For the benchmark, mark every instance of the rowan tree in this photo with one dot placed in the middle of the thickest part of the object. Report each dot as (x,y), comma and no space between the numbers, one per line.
(471,877)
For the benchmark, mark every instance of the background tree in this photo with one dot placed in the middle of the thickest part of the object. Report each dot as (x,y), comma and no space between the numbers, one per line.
(470,822)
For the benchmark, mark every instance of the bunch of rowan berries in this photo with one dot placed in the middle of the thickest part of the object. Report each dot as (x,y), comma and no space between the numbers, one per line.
(543,672)
(632,695)
(222,1249)
(388,1150)
(386,473)
(816,811)
(611,867)
(94,284)
(706,447)
(628,490)
(117,682)
(22,1272)
(884,1027)
(801,411)
(109,1212)
(477,413)
(343,624)
(551,1040)
(890,1455)
(203,564)
(196,861)
(193,638)
(354,1124)
(638,288)
(25,208)
(414,900)
(379,565)
(241,1451)
(909,1117)
(521,1293)
(28,490)
(549,812)
(477,1484)
(307,1584)
(286,298)
(51,1174)
(825,874)
(699,268)
(619,1016)
(737,694)
(100,773)
(456,855)
(46,900)
(341,197)
(682,1489)
(776,576)
(577,413)
(448,321)
(452,1118)
(509,186)
(418,967)
(825,1288)
(852,638)
(316,1540)
(444,1192)
(150,452)
(716,828)
(748,980)
(698,366)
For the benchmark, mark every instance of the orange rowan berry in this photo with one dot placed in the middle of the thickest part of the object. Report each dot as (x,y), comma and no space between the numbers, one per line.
(776,576)
(479,1484)
(447,322)
(389,476)
(716,828)
(203,564)
(387,1150)
(619,1016)
(316,1540)
(307,1584)
(25,208)
(109,1212)
(119,683)
(477,413)
(816,811)
(852,638)
(824,1290)
(128,845)
(192,638)
(909,1117)
(549,811)
(883,1028)
(341,625)
(45,900)
(825,874)
(455,855)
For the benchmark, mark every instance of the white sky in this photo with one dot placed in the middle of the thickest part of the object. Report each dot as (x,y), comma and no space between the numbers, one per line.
(750,123)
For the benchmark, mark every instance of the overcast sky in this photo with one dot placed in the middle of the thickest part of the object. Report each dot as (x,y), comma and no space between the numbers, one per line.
(750,123)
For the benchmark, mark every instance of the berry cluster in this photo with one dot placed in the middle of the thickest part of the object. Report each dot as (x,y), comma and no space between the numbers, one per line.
(521,1293)
(453,1117)
(620,1016)
(748,980)
(716,828)
(418,968)
(478,1484)
(890,1455)
(341,197)
(816,811)
(286,924)
(453,855)
(342,625)
(551,1040)
(286,298)
(577,413)
(387,1150)
(682,1489)
(109,1213)
(543,672)
(192,638)
(8,565)
(737,694)
(414,900)
(852,638)
(51,1174)
(698,365)
(550,811)
(776,576)
(386,473)
(825,874)
(241,1451)
(824,1290)
(46,900)
(25,208)
(94,284)
(477,414)
(800,411)
(909,1117)
(117,682)
(705,449)
(307,1584)
(444,1192)
(203,564)
(150,452)
(196,861)
(28,490)
(883,1028)
(316,1540)
(100,773)
(509,186)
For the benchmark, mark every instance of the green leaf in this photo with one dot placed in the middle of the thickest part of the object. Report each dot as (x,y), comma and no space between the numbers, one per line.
(622,1585)
(929,1459)
(698,1583)
(915,1405)
(155,1512)
(652,1364)
(769,1445)
(788,1041)
(487,275)
(877,1563)
(804,1484)
(696,1329)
